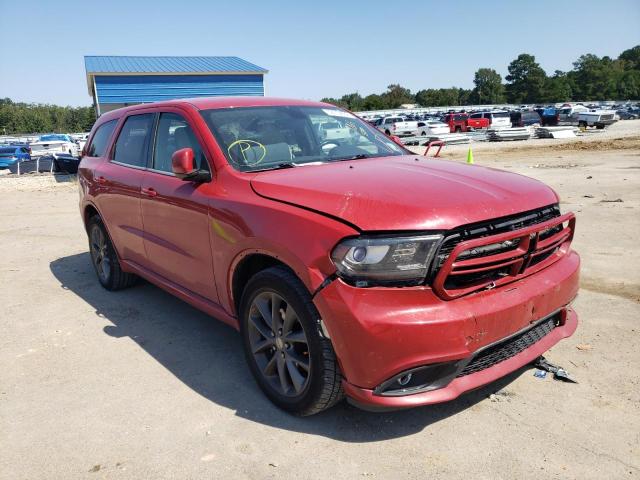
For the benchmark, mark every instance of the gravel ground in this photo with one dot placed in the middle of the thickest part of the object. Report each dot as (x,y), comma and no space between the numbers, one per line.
(137,384)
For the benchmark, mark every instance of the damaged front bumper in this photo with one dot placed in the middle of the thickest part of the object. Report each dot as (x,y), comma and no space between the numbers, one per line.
(380,335)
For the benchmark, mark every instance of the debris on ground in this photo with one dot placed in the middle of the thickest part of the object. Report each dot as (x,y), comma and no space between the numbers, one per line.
(540,373)
(501,396)
(584,346)
(587,196)
(606,200)
(559,373)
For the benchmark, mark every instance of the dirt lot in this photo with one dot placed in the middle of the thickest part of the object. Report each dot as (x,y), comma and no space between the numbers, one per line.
(137,384)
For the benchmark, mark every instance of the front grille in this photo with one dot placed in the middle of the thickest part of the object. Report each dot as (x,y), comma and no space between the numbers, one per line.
(502,351)
(493,227)
(490,254)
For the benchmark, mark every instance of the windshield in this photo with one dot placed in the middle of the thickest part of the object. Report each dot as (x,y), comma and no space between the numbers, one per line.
(262,138)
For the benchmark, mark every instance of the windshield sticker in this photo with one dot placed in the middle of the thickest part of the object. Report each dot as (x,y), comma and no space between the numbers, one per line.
(337,113)
(247,152)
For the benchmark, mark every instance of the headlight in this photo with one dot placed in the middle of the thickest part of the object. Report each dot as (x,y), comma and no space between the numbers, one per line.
(367,261)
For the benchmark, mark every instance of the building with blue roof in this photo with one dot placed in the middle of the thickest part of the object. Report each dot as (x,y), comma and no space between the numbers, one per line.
(118,81)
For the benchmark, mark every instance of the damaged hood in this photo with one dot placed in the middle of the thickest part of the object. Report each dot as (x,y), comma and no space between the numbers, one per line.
(402,193)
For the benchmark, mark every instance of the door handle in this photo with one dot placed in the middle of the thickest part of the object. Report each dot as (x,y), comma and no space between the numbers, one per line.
(149,191)
(101,180)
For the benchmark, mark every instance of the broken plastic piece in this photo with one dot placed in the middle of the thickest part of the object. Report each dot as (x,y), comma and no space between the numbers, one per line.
(559,373)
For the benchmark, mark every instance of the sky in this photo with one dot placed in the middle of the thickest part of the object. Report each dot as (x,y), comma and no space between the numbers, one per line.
(313,49)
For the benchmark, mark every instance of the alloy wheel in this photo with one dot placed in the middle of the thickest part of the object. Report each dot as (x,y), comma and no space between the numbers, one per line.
(279,344)
(99,253)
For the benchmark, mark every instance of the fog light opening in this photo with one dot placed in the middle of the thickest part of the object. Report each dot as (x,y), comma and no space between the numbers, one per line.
(405,379)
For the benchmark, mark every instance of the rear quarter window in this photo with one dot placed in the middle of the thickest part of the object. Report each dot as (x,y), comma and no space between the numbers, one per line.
(131,146)
(100,139)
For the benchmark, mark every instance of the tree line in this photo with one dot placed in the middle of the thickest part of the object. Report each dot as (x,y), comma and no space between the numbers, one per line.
(592,78)
(17,118)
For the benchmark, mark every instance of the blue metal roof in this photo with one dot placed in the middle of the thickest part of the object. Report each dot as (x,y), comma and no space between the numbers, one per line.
(175,65)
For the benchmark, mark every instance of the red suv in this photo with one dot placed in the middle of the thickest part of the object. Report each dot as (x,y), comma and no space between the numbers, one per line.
(349,265)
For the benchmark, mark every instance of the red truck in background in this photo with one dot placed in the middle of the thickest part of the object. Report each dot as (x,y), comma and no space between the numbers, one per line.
(478,120)
(457,122)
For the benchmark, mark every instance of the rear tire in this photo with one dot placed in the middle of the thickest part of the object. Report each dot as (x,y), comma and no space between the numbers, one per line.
(104,258)
(291,360)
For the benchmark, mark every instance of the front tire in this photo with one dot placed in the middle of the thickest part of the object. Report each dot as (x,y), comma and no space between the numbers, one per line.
(104,257)
(289,357)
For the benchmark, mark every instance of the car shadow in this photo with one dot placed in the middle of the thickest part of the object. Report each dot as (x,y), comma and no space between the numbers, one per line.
(207,356)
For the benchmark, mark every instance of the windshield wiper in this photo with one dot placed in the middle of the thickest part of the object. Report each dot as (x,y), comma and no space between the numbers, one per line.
(353,157)
(279,166)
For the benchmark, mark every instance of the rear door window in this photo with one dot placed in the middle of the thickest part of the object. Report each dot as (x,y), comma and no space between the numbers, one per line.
(131,146)
(174,133)
(98,144)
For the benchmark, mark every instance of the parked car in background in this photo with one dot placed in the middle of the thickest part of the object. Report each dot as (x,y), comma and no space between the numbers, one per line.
(596,118)
(361,270)
(457,122)
(430,128)
(525,118)
(385,124)
(628,114)
(548,116)
(80,139)
(54,143)
(333,130)
(478,121)
(12,154)
(568,114)
(398,126)
(404,129)
(498,119)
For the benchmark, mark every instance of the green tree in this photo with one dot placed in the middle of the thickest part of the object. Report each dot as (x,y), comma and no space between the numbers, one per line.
(373,102)
(353,101)
(629,85)
(557,88)
(18,118)
(397,95)
(526,80)
(439,97)
(631,58)
(334,101)
(489,88)
(595,78)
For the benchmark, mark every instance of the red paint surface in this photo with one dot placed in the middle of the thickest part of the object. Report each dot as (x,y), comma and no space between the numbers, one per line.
(189,238)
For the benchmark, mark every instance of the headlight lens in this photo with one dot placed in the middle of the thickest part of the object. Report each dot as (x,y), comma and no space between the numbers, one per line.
(367,261)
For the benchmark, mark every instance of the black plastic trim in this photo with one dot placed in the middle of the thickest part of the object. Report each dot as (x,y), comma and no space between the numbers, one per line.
(461,364)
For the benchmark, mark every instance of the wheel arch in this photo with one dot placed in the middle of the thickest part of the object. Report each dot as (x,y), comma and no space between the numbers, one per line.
(247,267)
(88,212)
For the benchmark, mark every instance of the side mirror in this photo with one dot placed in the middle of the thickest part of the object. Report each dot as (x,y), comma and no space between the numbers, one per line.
(182,162)
(182,166)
